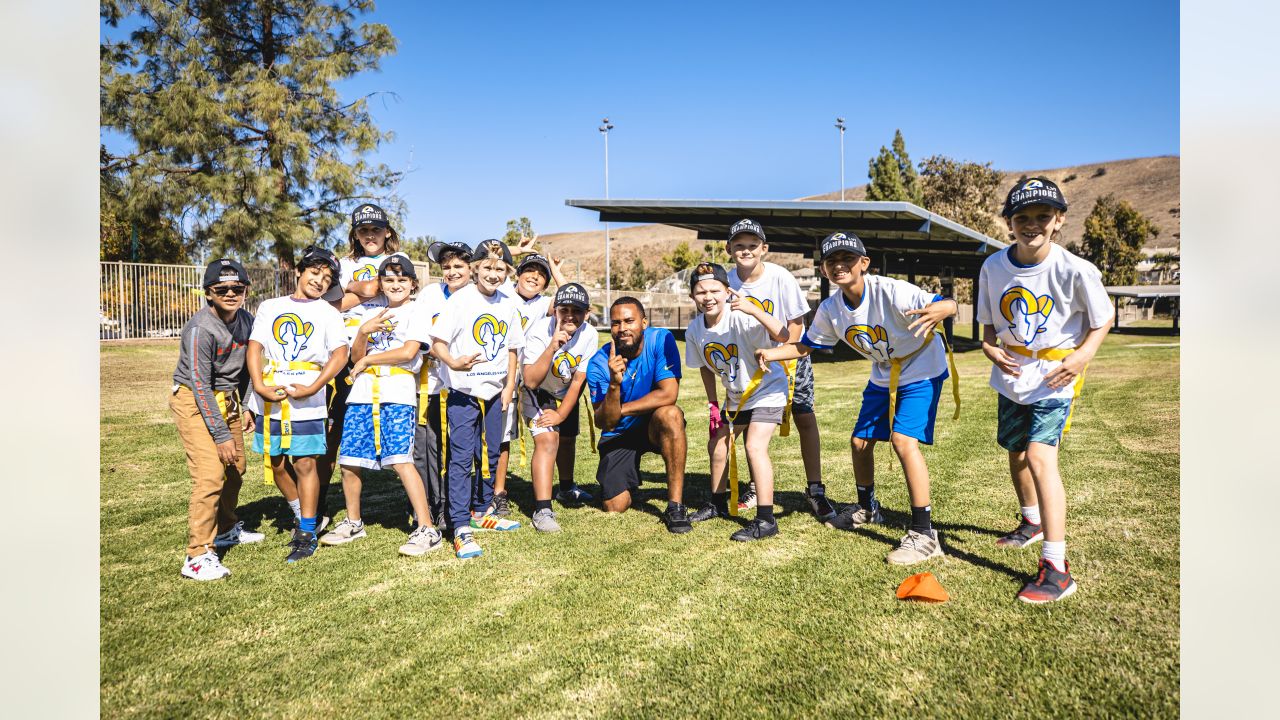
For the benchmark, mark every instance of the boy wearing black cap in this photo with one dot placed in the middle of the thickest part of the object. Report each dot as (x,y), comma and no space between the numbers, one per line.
(478,339)
(454,260)
(297,346)
(1044,313)
(382,406)
(874,316)
(776,291)
(721,341)
(207,386)
(554,373)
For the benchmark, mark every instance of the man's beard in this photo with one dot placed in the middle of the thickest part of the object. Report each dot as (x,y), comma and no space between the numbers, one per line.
(625,350)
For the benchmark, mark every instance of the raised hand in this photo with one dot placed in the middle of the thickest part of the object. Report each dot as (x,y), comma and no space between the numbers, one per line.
(617,365)
(377,323)
(466,362)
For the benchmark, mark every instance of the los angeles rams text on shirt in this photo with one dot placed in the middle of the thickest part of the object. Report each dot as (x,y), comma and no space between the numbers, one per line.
(472,323)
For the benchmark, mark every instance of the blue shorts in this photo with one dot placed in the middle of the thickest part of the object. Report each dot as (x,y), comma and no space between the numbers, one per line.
(1040,422)
(913,416)
(802,397)
(306,437)
(397,421)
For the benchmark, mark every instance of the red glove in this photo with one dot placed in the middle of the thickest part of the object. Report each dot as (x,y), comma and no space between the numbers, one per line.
(714,408)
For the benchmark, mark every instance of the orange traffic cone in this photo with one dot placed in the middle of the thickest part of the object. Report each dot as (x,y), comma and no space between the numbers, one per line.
(923,586)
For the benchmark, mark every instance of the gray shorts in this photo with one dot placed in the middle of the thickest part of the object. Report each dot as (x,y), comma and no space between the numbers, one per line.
(771,415)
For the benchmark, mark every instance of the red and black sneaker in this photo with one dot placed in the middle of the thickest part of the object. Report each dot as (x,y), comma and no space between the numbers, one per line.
(1050,585)
(1024,535)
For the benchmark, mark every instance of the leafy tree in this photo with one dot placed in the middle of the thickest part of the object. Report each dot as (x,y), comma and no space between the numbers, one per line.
(517,229)
(157,239)
(716,252)
(964,192)
(892,175)
(641,276)
(416,248)
(682,257)
(237,135)
(1114,234)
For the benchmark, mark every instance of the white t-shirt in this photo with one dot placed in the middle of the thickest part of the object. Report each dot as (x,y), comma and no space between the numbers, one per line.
(430,302)
(406,325)
(777,291)
(571,359)
(296,330)
(877,329)
(1050,305)
(474,323)
(729,350)
(365,268)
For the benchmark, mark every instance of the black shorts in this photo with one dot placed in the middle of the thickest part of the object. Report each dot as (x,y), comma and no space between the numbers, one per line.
(619,469)
(546,401)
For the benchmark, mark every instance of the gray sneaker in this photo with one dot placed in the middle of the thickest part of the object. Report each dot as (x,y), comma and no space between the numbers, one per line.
(545,521)
(916,547)
(421,541)
(855,515)
(343,533)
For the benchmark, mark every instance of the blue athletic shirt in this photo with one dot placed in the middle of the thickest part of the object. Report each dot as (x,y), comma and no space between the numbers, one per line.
(658,360)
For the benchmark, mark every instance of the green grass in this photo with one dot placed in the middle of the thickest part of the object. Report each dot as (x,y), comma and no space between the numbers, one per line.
(615,617)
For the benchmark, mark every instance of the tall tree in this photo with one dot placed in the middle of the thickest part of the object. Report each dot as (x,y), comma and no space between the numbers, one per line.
(892,176)
(910,180)
(416,247)
(682,257)
(1114,234)
(641,276)
(238,136)
(964,192)
(517,229)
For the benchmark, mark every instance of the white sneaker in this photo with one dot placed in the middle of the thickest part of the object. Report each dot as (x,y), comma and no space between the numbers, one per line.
(204,567)
(545,521)
(343,533)
(421,541)
(237,535)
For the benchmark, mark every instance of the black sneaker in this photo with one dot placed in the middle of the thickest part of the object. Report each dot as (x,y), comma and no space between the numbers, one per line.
(822,508)
(707,512)
(501,506)
(855,515)
(1050,584)
(303,546)
(677,519)
(1025,534)
(757,529)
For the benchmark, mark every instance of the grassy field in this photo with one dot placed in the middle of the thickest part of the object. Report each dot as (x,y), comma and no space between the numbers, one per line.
(615,617)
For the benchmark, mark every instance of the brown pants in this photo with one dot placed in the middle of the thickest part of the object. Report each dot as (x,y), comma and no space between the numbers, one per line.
(215,488)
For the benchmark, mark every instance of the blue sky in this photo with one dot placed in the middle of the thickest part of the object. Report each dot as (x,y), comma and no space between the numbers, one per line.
(499,102)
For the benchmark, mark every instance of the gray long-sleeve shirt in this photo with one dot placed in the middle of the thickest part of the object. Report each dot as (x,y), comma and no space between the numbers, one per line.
(212,358)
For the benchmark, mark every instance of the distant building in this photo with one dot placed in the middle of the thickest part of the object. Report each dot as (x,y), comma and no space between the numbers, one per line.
(1160,266)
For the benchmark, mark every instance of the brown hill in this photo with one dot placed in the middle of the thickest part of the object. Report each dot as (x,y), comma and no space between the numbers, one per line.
(1150,184)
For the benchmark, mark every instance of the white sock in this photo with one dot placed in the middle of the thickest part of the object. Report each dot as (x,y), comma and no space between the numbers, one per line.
(296,507)
(1032,514)
(1056,553)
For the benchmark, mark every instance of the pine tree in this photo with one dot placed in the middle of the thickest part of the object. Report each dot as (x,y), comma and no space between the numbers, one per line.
(681,257)
(892,176)
(913,192)
(517,229)
(1114,234)
(238,137)
(641,277)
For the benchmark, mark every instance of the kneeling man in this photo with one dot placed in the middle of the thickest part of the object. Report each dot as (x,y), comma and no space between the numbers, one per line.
(635,381)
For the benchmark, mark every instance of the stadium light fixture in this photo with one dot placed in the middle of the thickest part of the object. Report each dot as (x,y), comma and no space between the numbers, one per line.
(605,127)
(840,126)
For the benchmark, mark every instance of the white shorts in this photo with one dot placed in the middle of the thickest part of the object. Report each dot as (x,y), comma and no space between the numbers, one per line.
(510,426)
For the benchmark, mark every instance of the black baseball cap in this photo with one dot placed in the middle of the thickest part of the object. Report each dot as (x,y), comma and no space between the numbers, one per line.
(717,273)
(402,263)
(480,253)
(535,259)
(314,255)
(1033,191)
(369,214)
(573,295)
(841,242)
(436,249)
(225,270)
(747,225)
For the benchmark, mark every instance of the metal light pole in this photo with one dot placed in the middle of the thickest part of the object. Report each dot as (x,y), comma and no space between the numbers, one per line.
(840,125)
(608,298)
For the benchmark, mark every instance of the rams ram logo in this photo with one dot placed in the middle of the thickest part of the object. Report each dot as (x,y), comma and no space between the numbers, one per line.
(870,340)
(765,305)
(292,334)
(490,335)
(722,360)
(563,365)
(367,272)
(1025,313)
(381,340)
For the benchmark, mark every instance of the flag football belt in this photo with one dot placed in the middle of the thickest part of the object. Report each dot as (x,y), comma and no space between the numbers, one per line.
(591,420)
(286,425)
(378,372)
(444,437)
(752,385)
(895,372)
(1057,354)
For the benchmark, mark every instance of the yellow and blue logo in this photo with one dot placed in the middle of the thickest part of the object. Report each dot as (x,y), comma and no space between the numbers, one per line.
(563,365)
(292,334)
(870,340)
(765,305)
(490,334)
(1025,313)
(524,321)
(722,359)
(367,272)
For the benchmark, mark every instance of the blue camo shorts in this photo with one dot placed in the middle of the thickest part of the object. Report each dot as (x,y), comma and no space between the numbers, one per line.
(397,421)
(1040,422)
(802,398)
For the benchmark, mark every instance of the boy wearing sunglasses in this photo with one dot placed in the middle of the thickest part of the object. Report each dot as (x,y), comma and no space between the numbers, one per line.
(205,403)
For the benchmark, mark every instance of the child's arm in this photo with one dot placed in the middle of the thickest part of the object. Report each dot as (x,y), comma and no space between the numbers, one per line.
(509,388)
(777,331)
(1073,364)
(998,355)
(363,289)
(200,349)
(337,361)
(786,351)
(253,358)
(556,275)
(441,349)
(710,383)
(536,372)
(403,354)
(551,418)
(930,315)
